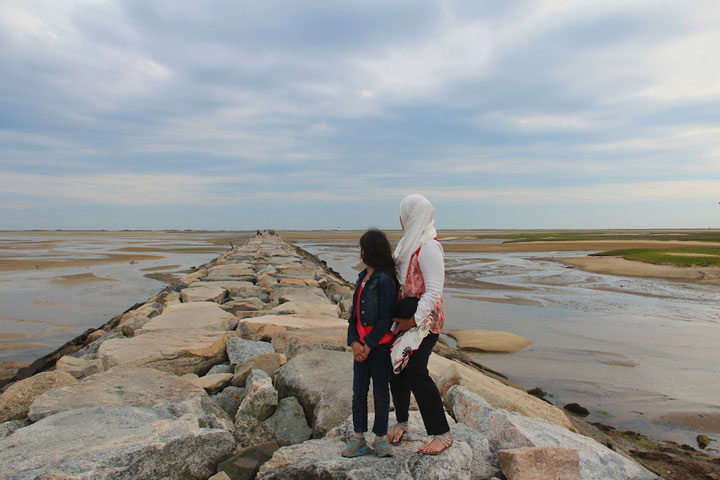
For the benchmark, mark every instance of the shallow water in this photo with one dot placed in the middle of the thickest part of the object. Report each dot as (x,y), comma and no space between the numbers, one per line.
(628,349)
(38,313)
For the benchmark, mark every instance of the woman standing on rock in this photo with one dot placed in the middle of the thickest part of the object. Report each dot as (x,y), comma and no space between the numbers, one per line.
(420,267)
(368,334)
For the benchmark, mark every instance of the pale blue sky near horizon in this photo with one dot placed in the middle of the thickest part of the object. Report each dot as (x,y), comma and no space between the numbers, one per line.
(325,113)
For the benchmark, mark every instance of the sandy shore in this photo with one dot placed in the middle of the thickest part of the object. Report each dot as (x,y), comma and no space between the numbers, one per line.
(621,266)
(80,279)
(36,264)
(562,246)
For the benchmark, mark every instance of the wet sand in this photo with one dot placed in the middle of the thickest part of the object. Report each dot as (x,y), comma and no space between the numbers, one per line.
(562,246)
(631,268)
(80,279)
(7,265)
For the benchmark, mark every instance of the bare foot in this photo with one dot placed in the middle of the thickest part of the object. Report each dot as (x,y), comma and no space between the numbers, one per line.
(395,435)
(433,447)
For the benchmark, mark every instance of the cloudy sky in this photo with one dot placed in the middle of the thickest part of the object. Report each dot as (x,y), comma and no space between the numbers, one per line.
(324,113)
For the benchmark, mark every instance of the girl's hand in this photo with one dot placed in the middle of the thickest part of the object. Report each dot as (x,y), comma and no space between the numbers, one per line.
(358,352)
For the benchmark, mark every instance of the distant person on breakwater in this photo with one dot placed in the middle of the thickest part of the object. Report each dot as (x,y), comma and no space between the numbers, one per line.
(420,268)
(369,335)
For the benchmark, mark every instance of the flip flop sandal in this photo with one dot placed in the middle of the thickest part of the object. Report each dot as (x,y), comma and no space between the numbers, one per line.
(445,438)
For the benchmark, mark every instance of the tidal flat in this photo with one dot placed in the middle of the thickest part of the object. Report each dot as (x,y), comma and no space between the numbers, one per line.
(639,353)
(55,285)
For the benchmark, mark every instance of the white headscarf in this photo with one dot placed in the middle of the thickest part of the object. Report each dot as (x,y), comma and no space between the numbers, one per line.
(418,217)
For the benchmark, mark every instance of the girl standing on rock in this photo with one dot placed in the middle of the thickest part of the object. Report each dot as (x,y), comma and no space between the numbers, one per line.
(368,334)
(421,271)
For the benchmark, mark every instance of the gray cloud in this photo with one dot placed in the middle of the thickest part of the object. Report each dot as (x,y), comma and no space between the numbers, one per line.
(327,100)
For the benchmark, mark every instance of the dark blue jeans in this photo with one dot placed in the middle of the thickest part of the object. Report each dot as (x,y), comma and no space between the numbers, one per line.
(377,366)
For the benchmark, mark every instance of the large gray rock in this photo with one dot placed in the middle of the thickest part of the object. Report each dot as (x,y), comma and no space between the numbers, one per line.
(267,362)
(307,308)
(115,442)
(15,401)
(177,350)
(251,304)
(266,281)
(11,425)
(294,321)
(508,430)
(239,349)
(250,431)
(197,314)
(90,351)
(131,387)
(299,294)
(540,463)
(289,270)
(321,459)
(229,285)
(321,380)
(301,340)
(231,271)
(220,368)
(199,292)
(289,423)
(220,476)
(244,464)
(212,383)
(229,399)
(78,367)
(261,398)
(447,373)
(140,316)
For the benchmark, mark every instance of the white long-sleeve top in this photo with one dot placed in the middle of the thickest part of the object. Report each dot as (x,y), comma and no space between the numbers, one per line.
(432,265)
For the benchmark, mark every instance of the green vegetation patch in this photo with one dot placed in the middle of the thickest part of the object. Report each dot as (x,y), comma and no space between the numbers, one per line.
(677,257)
(621,235)
(645,443)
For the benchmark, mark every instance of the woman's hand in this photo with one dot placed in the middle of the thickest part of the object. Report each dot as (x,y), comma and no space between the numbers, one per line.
(405,324)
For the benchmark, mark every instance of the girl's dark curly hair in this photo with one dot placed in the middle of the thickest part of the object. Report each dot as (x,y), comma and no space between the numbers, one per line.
(376,252)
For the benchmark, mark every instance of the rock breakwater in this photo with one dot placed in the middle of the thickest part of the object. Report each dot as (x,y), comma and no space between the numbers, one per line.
(230,372)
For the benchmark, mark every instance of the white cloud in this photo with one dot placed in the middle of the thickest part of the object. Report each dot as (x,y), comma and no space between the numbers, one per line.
(126,189)
(594,194)
(540,123)
(542,93)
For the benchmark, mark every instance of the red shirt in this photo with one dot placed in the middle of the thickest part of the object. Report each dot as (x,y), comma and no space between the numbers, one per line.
(362,329)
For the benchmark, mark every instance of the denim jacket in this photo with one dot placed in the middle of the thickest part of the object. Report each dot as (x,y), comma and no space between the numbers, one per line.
(376,301)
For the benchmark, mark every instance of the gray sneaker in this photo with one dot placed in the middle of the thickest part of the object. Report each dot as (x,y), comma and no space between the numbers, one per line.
(382,448)
(356,447)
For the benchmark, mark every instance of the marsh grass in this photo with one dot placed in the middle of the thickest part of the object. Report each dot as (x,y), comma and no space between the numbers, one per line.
(678,257)
(568,236)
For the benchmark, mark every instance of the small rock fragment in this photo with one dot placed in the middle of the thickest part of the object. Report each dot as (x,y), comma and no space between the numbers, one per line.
(577,409)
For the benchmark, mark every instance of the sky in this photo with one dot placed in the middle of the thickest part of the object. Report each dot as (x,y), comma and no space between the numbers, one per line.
(324,113)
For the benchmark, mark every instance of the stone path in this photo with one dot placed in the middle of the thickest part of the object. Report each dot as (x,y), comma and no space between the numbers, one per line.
(231,371)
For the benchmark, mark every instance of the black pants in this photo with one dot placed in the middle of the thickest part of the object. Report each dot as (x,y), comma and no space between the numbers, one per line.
(377,366)
(415,377)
